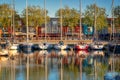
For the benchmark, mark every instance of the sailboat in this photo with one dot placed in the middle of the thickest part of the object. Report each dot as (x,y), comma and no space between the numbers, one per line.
(81,45)
(45,45)
(96,45)
(27,46)
(114,45)
(61,44)
(113,75)
(13,46)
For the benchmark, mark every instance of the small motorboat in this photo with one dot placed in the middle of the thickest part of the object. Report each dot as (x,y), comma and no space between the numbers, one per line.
(61,46)
(27,48)
(35,47)
(13,47)
(96,46)
(81,46)
(45,46)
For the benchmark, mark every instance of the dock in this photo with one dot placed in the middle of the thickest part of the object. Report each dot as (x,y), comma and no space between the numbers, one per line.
(57,41)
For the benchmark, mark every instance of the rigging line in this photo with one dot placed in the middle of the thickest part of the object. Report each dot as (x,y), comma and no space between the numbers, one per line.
(110,8)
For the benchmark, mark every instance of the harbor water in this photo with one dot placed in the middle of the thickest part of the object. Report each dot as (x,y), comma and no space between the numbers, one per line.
(58,65)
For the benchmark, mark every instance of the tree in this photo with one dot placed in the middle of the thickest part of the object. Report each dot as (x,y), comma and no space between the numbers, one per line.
(6,16)
(70,17)
(35,16)
(101,17)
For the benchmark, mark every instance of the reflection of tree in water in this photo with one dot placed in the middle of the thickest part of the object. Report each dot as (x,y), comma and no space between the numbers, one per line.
(95,67)
(37,72)
(114,64)
(5,73)
(117,65)
(71,72)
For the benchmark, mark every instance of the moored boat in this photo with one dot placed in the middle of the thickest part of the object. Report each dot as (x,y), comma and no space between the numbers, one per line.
(14,47)
(61,46)
(96,46)
(27,48)
(81,46)
(45,46)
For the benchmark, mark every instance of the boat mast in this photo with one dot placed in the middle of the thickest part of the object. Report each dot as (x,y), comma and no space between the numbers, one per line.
(113,26)
(61,17)
(11,18)
(95,34)
(27,20)
(80,1)
(45,19)
(13,21)
(113,32)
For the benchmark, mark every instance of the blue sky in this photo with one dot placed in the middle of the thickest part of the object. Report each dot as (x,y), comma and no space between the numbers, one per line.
(53,5)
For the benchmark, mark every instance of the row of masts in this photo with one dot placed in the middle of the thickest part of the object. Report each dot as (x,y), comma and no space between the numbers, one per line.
(80,23)
(46,19)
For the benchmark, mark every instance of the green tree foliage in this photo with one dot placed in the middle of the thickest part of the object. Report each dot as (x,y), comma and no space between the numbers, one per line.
(35,16)
(117,15)
(6,16)
(70,17)
(89,16)
(117,11)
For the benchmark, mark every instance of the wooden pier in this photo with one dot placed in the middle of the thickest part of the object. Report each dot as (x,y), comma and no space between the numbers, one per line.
(57,41)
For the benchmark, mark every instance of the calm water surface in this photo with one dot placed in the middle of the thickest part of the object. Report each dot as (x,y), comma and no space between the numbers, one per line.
(62,65)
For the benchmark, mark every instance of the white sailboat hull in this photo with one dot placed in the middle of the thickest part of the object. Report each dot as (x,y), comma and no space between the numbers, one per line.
(96,46)
(44,46)
(81,47)
(62,47)
(14,47)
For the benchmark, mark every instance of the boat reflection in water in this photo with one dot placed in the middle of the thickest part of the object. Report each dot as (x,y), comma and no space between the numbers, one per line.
(50,65)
